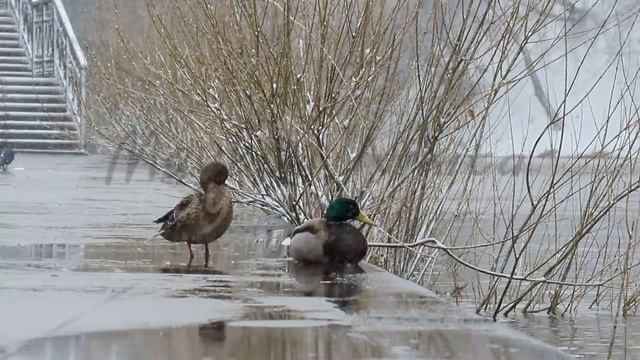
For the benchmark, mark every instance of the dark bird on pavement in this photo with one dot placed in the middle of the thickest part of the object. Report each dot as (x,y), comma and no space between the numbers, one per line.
(6,157)
(202,217)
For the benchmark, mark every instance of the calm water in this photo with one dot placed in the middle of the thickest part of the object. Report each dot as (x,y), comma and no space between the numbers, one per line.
(585,336)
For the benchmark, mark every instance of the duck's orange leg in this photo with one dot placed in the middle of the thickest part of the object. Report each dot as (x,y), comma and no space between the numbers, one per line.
(206,255)
(191,256)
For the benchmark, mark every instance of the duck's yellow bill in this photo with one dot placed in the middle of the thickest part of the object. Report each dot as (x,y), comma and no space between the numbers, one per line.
(364,219)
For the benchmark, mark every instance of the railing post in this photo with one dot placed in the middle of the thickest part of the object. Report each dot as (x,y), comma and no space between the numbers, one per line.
(54,31)
(81,114)
(34,49)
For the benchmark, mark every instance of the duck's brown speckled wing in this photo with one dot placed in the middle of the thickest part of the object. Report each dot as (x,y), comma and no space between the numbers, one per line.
(182,216)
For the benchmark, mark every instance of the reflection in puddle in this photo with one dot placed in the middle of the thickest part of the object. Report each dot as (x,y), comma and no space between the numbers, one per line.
(212,332)
(340,284)
(40,252)
(241,340)
(220,293)
(194,269)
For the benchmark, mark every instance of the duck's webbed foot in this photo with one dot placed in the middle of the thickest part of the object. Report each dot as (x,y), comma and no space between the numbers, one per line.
(206,255)
(191,256)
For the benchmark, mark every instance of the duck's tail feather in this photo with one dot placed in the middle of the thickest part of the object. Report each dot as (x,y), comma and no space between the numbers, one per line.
(151,238)
(164,217)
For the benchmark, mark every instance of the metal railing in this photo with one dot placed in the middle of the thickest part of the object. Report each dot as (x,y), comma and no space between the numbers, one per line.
(47,35)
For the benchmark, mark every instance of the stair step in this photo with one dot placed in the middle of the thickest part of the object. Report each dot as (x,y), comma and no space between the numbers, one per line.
(32,98)
(15,51)
(31,107)
(42,141)
(43,116)
(38,125)
(7,20)
(38,134)
(14,60)
(30,81)
(22,74)
(9,35)
(25,89)
(30,145)
(10,44)
(51,151)
(8,28)
(15,67)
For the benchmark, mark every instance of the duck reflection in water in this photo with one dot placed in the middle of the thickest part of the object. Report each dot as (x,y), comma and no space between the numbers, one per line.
(341,283)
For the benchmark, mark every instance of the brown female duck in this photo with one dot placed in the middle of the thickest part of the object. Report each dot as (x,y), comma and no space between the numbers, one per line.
(203,217)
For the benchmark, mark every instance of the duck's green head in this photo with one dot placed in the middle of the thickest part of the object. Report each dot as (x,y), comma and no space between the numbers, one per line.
(343,209)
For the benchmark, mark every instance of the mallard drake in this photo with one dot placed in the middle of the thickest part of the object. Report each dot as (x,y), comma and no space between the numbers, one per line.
(202,217)
(331,239)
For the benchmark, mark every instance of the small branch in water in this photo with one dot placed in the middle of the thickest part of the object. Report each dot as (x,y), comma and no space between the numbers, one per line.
(434,243)
(403,245)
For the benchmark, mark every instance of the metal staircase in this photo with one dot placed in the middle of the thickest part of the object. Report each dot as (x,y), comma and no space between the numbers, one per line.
(42,78)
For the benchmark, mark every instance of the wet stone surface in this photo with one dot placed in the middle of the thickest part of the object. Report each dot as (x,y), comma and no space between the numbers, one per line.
(80,279)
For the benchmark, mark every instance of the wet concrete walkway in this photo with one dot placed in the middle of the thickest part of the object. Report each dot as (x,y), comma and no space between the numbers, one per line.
(80,279)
